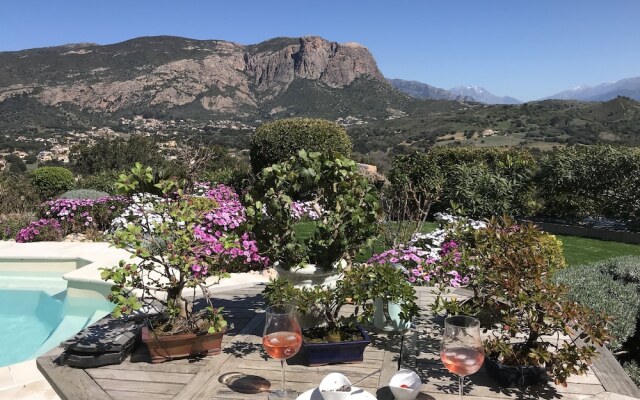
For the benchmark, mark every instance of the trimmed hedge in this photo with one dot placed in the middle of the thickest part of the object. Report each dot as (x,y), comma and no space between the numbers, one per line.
(591,181)
(483,181)
(277,141)
(603,287)
(51,181)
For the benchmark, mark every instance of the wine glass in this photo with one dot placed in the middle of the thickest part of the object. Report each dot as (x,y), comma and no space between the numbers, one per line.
(282,338)
(461,350)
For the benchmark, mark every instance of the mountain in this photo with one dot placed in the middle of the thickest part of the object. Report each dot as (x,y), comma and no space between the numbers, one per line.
(482,95)
(629,87)
(424,91)
(185,78)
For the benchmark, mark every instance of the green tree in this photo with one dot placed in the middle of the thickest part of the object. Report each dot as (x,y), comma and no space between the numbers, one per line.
(16,165)
(116,155)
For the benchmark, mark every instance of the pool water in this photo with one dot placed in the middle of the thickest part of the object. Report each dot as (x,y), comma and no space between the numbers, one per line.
(36,315)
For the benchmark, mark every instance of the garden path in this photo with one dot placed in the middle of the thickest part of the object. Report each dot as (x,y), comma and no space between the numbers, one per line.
(244,371)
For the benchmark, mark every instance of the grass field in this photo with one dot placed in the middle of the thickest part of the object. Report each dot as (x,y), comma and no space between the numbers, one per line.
(577,250)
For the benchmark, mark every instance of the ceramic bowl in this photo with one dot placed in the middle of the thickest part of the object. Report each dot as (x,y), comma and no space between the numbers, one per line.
(329,385)
(405,385)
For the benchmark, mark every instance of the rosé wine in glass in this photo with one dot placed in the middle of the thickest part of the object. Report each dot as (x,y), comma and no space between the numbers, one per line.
(282,345)
(281,339)
(461,351)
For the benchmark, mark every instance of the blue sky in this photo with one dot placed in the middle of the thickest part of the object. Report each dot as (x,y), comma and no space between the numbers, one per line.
(526,49)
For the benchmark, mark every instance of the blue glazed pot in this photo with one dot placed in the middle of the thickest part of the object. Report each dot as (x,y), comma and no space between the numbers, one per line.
(508,376)
(315,354)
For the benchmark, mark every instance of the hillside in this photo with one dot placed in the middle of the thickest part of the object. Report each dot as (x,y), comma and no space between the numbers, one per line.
(170,87)
(201,79)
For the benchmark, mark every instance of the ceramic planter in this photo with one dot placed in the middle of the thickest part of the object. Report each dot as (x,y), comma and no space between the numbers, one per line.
(165,348)
(508,376)
(310,275)
(314,354)
(386,316)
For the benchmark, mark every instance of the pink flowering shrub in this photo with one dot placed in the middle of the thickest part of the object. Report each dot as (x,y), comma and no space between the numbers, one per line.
(191,242)
(78,215)
(40,231)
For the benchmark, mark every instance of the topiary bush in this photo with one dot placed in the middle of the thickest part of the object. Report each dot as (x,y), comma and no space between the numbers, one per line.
(83,194)
(51,181)
(276,141)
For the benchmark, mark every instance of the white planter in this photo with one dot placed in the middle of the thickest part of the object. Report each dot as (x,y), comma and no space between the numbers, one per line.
(310,275)
(391,324)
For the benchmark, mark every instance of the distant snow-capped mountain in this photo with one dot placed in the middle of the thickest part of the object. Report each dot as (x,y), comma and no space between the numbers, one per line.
(483,95)
(629,87)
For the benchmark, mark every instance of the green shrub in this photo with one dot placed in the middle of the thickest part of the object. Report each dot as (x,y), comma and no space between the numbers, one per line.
(591,181)
(633,370)
(51,181)
(347,205)
(592,286)
(625,269)
(275,142)
(484,182)
(103,181)
(10,224)
(83,194)
(17,194)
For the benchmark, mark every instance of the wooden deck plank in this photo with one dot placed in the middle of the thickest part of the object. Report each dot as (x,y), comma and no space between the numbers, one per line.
(139,387)
(140,376)
(120,395)
(612,376)
(243,357)
(70,383)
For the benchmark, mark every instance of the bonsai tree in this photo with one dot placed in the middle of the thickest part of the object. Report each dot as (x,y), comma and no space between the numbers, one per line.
(359,286)
(343,205)
(179,243)
(511,268)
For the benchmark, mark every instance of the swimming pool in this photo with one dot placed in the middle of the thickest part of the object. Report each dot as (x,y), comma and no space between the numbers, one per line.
(35,312)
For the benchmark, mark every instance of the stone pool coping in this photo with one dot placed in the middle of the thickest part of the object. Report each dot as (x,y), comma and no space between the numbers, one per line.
(23,380)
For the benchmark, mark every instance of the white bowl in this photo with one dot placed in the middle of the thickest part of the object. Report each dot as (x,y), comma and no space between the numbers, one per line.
(330,383)
(408,378)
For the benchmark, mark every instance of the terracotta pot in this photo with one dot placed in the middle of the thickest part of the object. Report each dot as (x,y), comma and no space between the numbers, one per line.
(165,348)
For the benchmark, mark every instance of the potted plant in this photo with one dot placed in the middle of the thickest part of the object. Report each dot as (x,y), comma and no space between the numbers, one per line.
(180,245)
(312,214)
(341,338)
(525,312)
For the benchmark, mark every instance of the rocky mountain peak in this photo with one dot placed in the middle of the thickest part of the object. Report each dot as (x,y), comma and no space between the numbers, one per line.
(168,72)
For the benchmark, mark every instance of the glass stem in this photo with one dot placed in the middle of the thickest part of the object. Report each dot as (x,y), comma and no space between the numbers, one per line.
(461,386)
(282,364)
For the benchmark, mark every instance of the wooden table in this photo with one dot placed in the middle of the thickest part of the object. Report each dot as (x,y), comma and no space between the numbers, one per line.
(244,371)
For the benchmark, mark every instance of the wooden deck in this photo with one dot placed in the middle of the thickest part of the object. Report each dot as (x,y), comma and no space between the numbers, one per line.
(244,371)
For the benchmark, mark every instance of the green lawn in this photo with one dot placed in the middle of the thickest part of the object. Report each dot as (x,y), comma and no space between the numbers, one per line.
(577,250)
